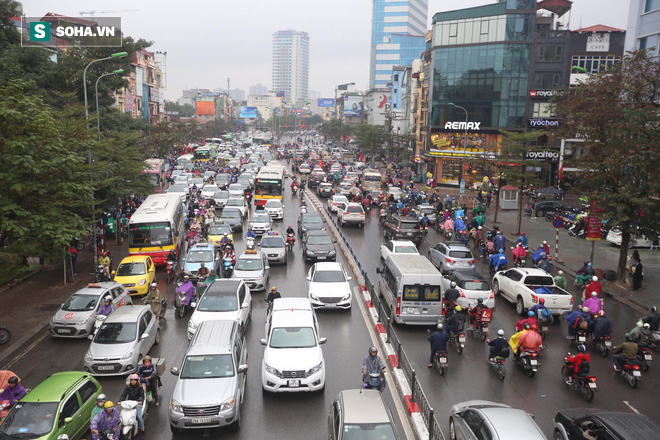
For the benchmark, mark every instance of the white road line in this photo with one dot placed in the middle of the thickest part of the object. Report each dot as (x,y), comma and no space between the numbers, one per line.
(27,350)
(631,407)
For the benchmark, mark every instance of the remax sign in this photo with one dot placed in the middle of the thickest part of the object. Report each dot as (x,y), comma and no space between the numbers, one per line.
(542,93)
(463,125)
(543,123)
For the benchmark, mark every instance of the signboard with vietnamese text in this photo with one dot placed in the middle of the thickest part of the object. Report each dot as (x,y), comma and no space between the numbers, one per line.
(594,223)
(153,94)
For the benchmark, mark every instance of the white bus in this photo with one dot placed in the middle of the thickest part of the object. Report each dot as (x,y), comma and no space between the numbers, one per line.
(371,180)
(184,159)
(156,227)
(269,184)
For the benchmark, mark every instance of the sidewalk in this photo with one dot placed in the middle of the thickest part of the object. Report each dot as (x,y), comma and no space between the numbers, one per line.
(29,305)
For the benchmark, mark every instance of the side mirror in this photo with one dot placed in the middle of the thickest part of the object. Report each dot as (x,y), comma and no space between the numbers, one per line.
(144,335)
(323,341)
(90,337)
(175,371)
(242,368)
(378,270)
(245,305)
(349,278)
(262,341)
(68,420)
(308,278)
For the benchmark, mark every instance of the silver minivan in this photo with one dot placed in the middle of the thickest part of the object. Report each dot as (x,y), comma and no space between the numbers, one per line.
(211,382)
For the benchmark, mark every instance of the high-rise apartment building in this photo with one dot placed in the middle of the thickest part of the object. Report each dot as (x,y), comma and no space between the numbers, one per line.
(291,65)
(644,26)
(258,89)
(397,37)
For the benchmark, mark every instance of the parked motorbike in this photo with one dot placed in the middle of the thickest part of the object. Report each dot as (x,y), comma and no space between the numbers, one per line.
(128,417)
(528,361)
(102,274)
(458,341)
(498,366)
(170,271)
(585,384)
(603,345)
(373,380)
(440,362)
(5,335)
(290,240)
(181,304)
(630,372)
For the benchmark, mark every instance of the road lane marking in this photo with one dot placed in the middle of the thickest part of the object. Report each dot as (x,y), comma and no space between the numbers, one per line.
(631,407)
(27,350)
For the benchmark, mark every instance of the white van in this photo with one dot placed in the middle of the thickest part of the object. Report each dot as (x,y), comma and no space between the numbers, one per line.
(412,288)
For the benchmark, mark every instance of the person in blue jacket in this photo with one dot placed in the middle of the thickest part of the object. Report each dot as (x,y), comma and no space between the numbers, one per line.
(538,254)
(523,240)
(500,240)
(459,224)
(498,260)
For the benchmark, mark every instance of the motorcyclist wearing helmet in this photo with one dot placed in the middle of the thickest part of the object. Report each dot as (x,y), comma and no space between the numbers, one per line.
(522,240)
(475,312)
(630,350)
(438,342)
(250,233)
(224,241)
(104,260)
(538,254)
(498,261)
(593,303)
(514,341)
(531,320)
(106,420)
(497,345)
(289,230)
(578,364)
(134,391)
(593,286)
(601,327)
(149,376)
(545,264)
(575,320)
(500,241)
(154,299)
(100,401)
(455,323)
(107,308)
(272,296)
(653,319)
(372,362)
(14,391)
(541,312)
(519,252)
(642,334)
(560,280)
(530,340)
(451,297)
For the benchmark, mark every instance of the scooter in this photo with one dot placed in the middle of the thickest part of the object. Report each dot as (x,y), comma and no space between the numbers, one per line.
(449,234)
(603,345)
(102,274)
(108,433)
(128,416)
(290,240)
(98,322)
(440,362)
(586,385)
(544,324)
(529,362)
(227,266)
(5,335)
(498,366)
(249,243)
(373,380)
(458,341)
(630,372)
(645,358)
(181,304)
(382,216)
(170,272)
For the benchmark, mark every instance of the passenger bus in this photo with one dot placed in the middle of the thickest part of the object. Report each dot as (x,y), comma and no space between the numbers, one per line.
(155,169)
(203,154)
(184,159)
(371,180)
(157,227)
(269,184)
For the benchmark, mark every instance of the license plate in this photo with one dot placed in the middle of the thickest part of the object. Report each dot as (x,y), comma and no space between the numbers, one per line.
(592,384)
(608,344)
(105,368)
(533,362)
(294,383)
(648,357)
(64,331)
(443,360)
(636,373)
(320,258)
(544,328)
(484,329)
(582,338)
(461,339)
(331,305)
(409,233)
(200,421)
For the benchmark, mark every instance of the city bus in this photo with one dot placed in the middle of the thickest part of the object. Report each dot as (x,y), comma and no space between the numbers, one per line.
(371,180)
(184,159)
(203,154)
(157,227)
(155,170)
(269,184)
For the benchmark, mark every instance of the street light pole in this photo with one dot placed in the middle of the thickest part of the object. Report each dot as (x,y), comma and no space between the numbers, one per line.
(460,176)
(96,92)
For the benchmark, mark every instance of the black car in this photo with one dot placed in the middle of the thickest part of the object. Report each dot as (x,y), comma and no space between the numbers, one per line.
(315,178)
(399,227)
(325,190)
(318,246)
(543,207)
(572,424)
(232,217)
(309,222)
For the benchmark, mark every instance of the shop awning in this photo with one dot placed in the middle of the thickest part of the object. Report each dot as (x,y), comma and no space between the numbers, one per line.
(459,153)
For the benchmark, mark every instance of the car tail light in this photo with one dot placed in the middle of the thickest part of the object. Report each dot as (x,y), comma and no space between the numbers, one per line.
(462,293)
(472,261)
(397,228)
(535,299)
(571,300)
(492,295)
(398,306)
(449,260)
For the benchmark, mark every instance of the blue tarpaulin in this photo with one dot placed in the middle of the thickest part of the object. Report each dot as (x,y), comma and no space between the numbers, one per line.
(543,290)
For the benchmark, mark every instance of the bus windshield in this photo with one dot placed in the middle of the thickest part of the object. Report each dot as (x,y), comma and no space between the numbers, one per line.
(372,177)
(150,234)
(202,154)
(268,187)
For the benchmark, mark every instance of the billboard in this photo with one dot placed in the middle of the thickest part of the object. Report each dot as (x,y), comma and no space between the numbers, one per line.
(205,105)
(326,102)
(353,105)
(247,112)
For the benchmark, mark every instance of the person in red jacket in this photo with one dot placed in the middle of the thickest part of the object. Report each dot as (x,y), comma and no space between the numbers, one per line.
(578,363)
(593,286)
(531,319)
(530,340)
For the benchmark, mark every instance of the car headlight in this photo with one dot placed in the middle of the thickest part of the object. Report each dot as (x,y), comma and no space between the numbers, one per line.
(260,277)
(84,320)
(142,282)
(88,356)
(273,371)
(314,297)
(346,297)
(128,355)
(311,253)
(332,252)
(176,406)
(227,404)
(315,369)
(192,325)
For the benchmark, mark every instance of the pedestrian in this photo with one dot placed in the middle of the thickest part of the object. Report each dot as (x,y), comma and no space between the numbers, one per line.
(638,275)
(488,199)
(73,255)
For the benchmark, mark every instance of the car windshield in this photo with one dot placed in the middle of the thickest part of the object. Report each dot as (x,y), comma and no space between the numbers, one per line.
(273,204)
(476,285)
(427,211)
(177,189)
(310,219)
(130,269)
(116,333)
(249,264)
(272,242)
(222,177)
(329,276)
(218,302)
(260,218)
(210,188)
(199,256)
(221,195)
(219,230)
(29,420)
(207,367)
(341,199)
(234,202)
(319,239)
(368,431)
(292,337)
(230,213)
(405,250)
(80,303)
(235,187)
(460,254)
(197,181)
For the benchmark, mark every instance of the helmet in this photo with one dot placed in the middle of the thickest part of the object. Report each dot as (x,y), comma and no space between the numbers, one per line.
(541,300)
(594,278)
(147,358)
(459,308)
(186,277)
(589,264)
(647,326)
(534,327)
(154,285)
(527,326)
(519,245)
(108,404)
(480,228)
(273,289)
(107,299)
(585,309)
(453,284)
(654,309)
(133,377)
(373,350)
(522,233)
(561,272)
(101,397)
(290,226)
(500,332)
(12,380)
(545,242)
(501,251)
(480,301)
(530,313)
(628,337)
(440,326)
(594,294)
(582,348)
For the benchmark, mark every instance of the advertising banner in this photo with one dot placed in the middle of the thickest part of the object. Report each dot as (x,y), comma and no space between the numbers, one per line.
(326,102)
(153,94)
(247,112)
(128,105)
(353,105)
(594,225)
(206,108)
(138,80)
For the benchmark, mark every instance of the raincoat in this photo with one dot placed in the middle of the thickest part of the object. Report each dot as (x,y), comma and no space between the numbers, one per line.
(104,421)
(189,289)
(514,342)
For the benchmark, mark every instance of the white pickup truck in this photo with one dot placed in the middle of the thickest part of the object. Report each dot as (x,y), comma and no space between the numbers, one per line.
(525,287)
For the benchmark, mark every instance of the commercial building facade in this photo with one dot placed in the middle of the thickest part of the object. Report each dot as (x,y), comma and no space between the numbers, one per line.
(291,65)
(643,26)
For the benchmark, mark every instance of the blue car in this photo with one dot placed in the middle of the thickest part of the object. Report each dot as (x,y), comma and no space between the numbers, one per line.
(198,254)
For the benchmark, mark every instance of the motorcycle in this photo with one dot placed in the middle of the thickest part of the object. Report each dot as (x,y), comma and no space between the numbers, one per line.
(449,234)
(585,384)
(294,190)
(181,304)
(644,358)
(493,270)
(5,335)
(528,361)
(480,327)
(458,341)
(163,306)
(290,240)
(440,362)
(98,322)
(603,345)
(108,433)
(102,274)
(227,266)
(498,366)
(580,337)
(248,198)
(544,327)
(78,243)
(170,272)
(249,242)
(630,372)
(382,216)
(373,380)
(128,417)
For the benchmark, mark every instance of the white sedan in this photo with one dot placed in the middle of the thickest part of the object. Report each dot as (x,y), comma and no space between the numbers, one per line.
(336,200)
(329,286)
(392,247)
(209,190)
(239,203)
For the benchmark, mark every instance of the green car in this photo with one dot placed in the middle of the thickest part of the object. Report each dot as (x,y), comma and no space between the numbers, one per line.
(61,404)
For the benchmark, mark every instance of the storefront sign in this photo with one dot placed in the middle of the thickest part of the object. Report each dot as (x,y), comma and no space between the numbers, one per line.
(594,227)
(153,92)
(475,126)
(598,42)
(542,93)
(543,123)
(545,155)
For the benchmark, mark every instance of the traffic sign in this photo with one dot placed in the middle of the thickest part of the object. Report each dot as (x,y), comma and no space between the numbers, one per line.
(558,222)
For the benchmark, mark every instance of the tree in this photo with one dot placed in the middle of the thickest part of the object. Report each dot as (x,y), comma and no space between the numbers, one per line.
(335,129)
(617,112)
(371,139)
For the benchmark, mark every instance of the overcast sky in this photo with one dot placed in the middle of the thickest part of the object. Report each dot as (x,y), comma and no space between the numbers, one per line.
(208,41)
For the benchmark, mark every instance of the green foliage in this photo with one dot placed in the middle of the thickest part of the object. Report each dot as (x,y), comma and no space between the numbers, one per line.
(335,129)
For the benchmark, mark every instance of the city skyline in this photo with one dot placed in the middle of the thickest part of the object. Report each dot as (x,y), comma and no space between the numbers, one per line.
(291,65)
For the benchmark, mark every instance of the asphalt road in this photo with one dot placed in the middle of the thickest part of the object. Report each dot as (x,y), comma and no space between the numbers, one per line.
(470,377)
(294,416)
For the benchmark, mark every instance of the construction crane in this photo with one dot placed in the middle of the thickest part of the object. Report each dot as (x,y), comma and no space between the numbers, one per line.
(91,13)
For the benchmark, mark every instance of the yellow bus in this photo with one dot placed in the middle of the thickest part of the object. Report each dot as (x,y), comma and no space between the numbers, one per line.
(269,184)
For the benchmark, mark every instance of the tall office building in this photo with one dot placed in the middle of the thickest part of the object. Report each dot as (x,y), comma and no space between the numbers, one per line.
(258,89)
(291,65)
(644,26)
(397,37)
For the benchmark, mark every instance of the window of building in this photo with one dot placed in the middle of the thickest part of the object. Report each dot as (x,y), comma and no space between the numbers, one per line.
(595,63)
(643,43)
(543,110)
(649,5)
(549,52)
(546,80)
(484,27)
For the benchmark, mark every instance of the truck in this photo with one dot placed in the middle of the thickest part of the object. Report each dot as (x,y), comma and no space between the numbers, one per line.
(347,158)
(524,287)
